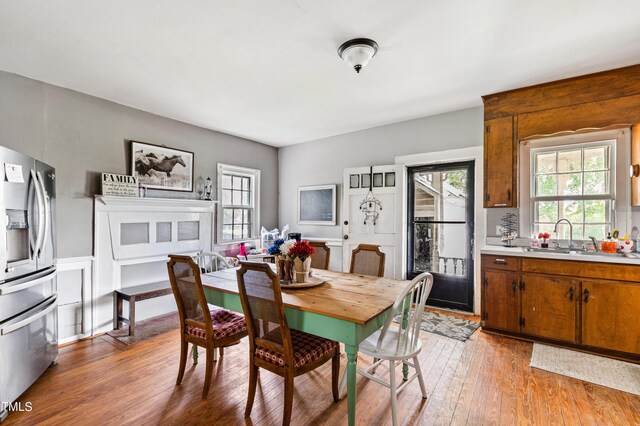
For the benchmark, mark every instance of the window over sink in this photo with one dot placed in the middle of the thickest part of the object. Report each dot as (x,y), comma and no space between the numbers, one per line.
(574,177)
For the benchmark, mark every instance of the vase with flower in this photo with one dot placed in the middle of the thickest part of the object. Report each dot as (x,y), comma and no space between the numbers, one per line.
(301,252)
(544,236)
(285,249)
(274,250)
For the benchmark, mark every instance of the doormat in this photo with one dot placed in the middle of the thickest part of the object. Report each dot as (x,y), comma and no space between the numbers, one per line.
(602,371)
(447,325)
(147,329)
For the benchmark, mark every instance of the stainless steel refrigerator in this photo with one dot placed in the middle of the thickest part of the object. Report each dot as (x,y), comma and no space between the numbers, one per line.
(28,292)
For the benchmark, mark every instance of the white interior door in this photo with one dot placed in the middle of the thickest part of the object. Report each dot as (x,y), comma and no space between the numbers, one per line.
(385,183)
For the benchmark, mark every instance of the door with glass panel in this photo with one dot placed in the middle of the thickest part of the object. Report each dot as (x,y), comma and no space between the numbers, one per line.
(440,231)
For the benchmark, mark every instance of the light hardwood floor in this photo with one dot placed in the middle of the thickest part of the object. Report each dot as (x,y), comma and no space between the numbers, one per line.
(486,380)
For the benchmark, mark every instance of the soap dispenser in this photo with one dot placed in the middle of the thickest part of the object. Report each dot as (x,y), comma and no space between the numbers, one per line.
(609,245)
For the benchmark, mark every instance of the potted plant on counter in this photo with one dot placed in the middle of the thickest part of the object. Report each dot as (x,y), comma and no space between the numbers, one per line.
(544,236)
(301,252)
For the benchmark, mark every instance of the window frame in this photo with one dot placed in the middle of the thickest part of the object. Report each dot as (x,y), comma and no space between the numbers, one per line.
(619,187)
(254,201)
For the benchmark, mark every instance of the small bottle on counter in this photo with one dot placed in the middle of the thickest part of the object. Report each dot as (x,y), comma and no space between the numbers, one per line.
(142,191)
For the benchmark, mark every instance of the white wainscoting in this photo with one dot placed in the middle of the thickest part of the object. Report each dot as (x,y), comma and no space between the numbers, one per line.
(75,278)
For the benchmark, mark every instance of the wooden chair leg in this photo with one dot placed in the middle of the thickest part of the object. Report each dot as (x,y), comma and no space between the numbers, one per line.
(288,397)
(423,388)
(221,351)
(207,377)
(394,392)
(184,351)
(335,376)
(253,381)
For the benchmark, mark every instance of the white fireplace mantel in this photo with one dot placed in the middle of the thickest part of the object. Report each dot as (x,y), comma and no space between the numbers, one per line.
(134,236)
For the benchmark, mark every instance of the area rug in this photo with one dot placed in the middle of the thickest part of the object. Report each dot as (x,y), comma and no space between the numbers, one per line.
(447,325)
(148,328)
(602,371)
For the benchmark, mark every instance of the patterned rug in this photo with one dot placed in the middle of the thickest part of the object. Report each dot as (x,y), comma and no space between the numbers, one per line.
(447,325)
(602,371)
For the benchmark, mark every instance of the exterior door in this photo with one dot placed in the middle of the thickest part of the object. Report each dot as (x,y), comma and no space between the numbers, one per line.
(370,222)
(440,230)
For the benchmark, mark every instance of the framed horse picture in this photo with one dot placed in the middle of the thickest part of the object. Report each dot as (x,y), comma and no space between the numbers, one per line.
(160,167)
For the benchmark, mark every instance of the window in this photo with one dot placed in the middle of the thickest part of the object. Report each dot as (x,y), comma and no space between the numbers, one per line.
(573,183)
(237,189)
(574,178)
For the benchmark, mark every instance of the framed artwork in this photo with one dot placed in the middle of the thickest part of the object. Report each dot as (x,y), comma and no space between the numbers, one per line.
(160,167)
(317,205)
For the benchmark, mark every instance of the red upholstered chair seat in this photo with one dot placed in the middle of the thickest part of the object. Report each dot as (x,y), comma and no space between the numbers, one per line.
(225,324)
(306,348)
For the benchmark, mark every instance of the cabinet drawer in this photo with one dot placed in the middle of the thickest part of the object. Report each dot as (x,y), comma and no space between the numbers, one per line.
(501,263)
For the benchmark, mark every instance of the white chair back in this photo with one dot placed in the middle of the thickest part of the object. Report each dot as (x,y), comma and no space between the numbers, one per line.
(211,262)
(412,300)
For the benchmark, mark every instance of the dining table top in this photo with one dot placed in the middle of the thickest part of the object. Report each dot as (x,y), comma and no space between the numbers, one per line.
(350,297)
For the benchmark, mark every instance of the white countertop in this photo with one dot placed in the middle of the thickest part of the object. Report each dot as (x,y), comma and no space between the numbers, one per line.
(628,259)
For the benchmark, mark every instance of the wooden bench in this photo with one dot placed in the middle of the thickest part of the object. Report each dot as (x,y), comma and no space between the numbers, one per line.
(136,294)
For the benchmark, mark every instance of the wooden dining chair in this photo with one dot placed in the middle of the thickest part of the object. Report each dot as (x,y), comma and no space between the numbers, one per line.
(275,347)
(367,259)
(198,325)
(320,259)
(397,344)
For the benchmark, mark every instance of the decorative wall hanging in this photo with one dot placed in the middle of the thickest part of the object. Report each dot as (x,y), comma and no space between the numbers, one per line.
(317,205)
(159,167)
(370,204)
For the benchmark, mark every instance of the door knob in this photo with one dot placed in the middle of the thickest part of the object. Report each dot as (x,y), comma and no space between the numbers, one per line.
(346,222)
(346,237)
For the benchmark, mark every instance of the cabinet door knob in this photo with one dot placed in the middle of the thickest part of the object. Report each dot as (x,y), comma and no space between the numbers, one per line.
(585,293)
(500,262)
(346,222)
(571,291)
(346,237)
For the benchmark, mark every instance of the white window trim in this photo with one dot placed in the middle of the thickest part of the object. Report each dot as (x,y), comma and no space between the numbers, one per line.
(254,174)
(621,153)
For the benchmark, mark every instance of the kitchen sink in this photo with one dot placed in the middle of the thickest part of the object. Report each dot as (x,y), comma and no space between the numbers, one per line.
(574,252)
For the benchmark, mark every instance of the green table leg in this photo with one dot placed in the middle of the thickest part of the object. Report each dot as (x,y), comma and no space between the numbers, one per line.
(352,355)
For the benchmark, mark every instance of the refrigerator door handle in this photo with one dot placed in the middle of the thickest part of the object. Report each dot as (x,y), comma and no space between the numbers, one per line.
(19,287)
(18,325)
(41,213)
(47,212)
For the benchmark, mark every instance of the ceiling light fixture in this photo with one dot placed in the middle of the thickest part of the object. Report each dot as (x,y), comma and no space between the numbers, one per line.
(358,52)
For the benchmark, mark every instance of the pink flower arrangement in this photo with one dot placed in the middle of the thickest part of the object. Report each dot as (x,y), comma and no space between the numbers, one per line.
(302,250)
(544,236)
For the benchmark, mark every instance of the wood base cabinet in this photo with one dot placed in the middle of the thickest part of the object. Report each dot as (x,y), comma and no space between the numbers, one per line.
(610,315)
(501,306)
(549,307)
(564,302)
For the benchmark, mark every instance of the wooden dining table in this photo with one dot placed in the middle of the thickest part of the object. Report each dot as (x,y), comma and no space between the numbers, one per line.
(347,308)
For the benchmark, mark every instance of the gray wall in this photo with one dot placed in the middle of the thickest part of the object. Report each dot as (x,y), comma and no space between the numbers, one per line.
(83,136)
(322,161)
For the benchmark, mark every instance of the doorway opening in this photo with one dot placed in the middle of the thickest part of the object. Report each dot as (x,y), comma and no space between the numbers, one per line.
(441,229)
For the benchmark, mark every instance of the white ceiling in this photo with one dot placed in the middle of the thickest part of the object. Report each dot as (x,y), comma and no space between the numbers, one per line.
(269,71)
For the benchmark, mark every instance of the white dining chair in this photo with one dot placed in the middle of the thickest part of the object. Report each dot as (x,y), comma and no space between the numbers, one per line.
(398,345)
(211,262)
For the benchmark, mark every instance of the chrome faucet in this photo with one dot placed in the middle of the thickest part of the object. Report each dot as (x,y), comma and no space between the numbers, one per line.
(595,243)
(555,231)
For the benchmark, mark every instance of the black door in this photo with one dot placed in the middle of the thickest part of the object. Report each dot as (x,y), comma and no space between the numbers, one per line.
(440,231)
